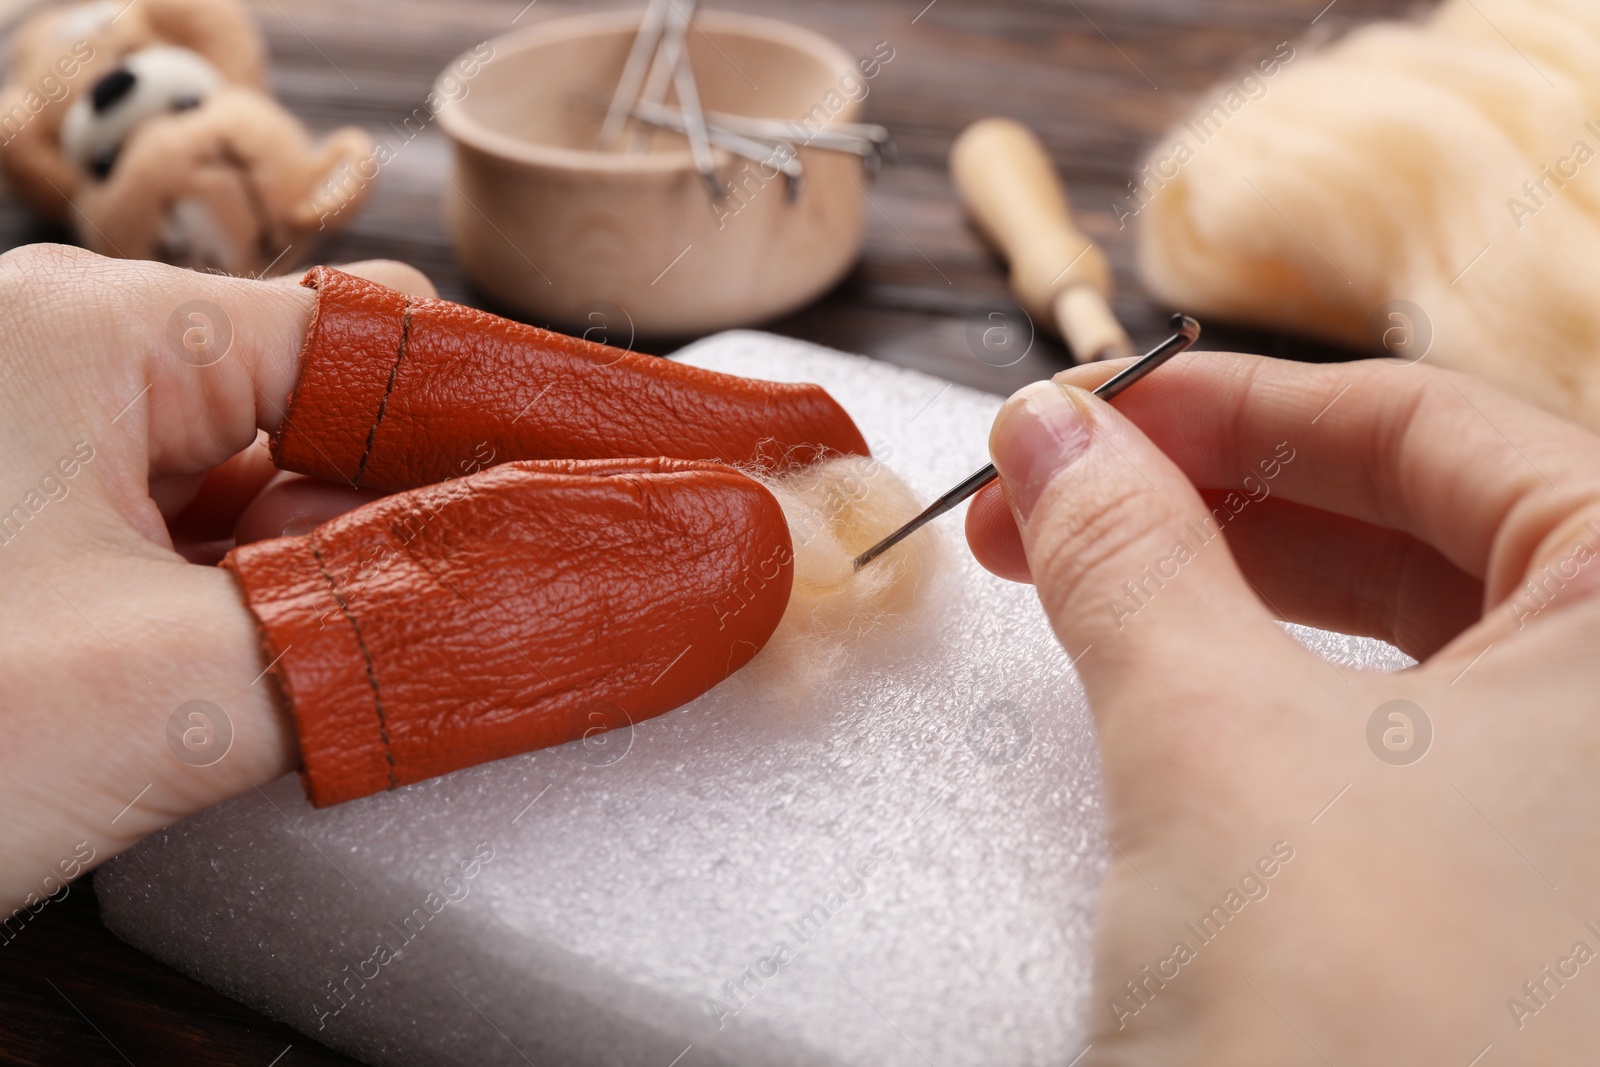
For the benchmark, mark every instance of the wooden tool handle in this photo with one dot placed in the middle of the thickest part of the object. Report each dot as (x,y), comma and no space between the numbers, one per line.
(1058,275)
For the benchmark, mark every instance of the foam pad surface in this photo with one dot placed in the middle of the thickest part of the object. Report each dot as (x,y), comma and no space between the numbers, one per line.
(691,891)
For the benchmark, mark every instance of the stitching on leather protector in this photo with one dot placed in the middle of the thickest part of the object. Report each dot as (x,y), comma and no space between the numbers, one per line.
(383,405)
(372,677)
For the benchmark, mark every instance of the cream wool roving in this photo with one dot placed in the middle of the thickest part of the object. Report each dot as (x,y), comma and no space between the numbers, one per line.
(836,615)
(1432,187)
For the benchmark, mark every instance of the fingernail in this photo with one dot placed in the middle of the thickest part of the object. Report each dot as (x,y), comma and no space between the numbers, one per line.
(1040,433)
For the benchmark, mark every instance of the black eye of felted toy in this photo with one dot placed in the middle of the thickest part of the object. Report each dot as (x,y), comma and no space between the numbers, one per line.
(112,88)
(100,166)
(184,103)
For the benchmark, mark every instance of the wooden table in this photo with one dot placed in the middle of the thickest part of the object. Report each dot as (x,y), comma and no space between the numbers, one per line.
(1098,79)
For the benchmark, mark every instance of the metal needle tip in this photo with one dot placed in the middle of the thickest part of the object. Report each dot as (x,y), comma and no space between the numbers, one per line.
(1188,332)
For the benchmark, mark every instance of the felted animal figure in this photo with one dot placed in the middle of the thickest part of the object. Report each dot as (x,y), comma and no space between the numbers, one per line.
(148,129)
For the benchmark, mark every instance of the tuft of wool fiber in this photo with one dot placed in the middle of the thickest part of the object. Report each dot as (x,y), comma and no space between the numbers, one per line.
(1428,188)
(836,510)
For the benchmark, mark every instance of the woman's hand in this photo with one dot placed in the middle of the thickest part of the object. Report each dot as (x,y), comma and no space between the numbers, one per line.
(1317,864)
(134,690)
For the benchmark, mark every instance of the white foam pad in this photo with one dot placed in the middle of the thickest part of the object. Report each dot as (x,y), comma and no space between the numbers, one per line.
(695,889)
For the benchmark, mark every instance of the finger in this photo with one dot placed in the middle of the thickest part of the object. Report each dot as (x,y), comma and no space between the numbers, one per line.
(1446,458)
(1335,573)
(295,505)
(208,507)
(202,531)
(177,368)
(220,496)
(174,368)
(1117,543)
(993,536)
(169,708)
(1316,568)
(540,552)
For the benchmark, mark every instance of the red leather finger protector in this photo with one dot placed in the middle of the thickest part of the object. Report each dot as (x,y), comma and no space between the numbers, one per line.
(522,607)
(397,391)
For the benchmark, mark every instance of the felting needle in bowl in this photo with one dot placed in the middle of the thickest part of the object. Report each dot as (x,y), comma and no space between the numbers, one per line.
(856,138)
(669,49)
(640,57)
(779,154)
(694,122)
(1188,333)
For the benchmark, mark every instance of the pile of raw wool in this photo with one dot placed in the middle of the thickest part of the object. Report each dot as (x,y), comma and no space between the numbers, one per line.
(1429,187)
(838,615)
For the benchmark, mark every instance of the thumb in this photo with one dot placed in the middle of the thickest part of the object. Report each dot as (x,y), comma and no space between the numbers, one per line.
(1131,566)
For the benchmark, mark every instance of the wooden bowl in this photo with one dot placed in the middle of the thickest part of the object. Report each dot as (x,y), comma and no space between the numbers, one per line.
(566,234)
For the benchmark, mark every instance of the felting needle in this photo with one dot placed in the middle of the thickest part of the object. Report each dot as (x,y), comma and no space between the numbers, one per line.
(694,122)
(1188,333)
(856,138)
(633,72)
(671,118)
(664,64)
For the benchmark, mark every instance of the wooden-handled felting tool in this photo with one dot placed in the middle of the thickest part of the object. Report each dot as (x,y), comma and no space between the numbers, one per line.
(1058,275)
